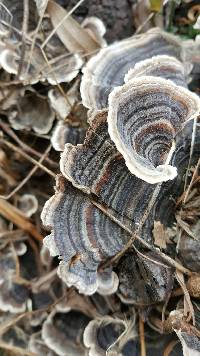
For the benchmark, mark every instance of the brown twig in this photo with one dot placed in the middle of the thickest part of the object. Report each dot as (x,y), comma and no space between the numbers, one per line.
(13,214)
(5,127)
(191,182)
(24,32)
(29,175)
(142,337)
(169,348)
(26,156)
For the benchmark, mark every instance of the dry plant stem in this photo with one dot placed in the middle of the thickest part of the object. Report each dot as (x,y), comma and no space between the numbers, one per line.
(29,175)
(170,347)
(36,251)
(191,151)
(26,156)
(192,181)
(16,350)
(13,233)
(42,280)
(34,40)
(151,15)
(187,301)
(14,215)
(61,22)
(58,84)
(23,145)
(142,337)
(24,32)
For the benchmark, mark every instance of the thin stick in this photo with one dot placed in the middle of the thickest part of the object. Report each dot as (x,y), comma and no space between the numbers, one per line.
(34,39)
(170,347)
(9,212)
(43,279)
(23,145)
(12,233)
(191,150)
(53,73)
(29,175)
(24,32)
(25,155)
(16,349)
(192,181)
(142,337)
(151,15)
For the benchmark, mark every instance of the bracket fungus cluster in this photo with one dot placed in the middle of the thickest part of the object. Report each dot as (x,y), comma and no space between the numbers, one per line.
(134,145)
(107,262)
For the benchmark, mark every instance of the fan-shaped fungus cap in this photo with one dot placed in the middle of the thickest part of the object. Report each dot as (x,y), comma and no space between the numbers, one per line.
(34,113)
(107,69)
(101,335)
(28,204)
(62,332)
(38,347)
(62,105)
(96,28)
(159,66)
(64,69)
(190,343)
(83,236)
(65,133)
(144,116)
(13,296)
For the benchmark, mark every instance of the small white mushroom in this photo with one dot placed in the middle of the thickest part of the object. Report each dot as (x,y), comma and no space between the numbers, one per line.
(28,204)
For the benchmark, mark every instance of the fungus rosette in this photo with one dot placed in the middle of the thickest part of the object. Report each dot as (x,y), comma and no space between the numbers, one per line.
(83,235)
(111,178)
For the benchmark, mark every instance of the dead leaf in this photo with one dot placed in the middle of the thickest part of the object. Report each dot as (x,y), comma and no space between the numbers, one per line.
(188,307)
(73,36)
(159,234)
